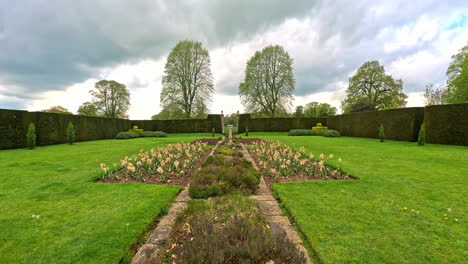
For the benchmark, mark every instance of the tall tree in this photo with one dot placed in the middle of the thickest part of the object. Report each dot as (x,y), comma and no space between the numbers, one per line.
(434,96)
(269,82)
(361,106)
(299,111)
(315,109)
(58,109)
(112,99)
(88,109)
(371,84)
(187,80)
(457,78)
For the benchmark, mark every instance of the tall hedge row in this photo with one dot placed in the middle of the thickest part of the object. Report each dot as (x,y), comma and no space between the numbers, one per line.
(447,124)
(400,124)
(51,128)
(277,124)
(182,125)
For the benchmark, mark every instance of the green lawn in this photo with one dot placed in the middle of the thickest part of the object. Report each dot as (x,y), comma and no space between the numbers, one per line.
(365,221)
(80,221)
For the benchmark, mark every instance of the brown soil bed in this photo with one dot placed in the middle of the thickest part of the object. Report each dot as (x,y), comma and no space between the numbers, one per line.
(155,178)
(208,141)
(250,141)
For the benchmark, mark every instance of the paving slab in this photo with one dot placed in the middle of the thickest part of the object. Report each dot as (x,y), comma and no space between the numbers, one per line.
(146,254)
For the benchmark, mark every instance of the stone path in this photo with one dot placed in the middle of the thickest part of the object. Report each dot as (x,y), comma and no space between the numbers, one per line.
(279,223)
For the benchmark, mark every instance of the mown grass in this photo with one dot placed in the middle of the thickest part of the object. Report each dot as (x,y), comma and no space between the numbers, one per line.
(80,221)
(394,213)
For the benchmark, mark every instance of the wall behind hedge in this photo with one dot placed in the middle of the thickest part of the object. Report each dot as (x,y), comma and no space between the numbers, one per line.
(182,125)
(277,124)
(447,124)
(51,128)
(400,124)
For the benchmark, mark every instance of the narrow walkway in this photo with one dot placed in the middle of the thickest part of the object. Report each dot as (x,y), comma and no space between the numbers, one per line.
(279,223)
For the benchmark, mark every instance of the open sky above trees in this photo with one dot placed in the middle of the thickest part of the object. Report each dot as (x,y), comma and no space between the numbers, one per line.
(53,52)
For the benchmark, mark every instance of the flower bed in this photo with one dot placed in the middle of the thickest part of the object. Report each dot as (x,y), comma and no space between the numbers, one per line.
(228,229)
(226,171)
(281,163)
(172,164)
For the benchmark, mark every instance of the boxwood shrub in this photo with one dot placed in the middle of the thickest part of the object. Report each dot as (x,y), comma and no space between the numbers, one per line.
(127,135)
(301,132)
(331,133)
(153,134)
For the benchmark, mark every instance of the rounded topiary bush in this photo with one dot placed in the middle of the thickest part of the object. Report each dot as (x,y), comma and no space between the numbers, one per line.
(127,135)
(301,132)
(153,134)
(331,133)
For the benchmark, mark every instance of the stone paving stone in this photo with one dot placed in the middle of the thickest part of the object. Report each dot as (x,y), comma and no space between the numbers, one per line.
(183,196)
(263,197)
(176,208)
(146,254)
(270,207)
(159,234)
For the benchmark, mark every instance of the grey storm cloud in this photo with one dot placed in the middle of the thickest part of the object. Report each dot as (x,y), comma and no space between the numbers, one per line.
(48,45)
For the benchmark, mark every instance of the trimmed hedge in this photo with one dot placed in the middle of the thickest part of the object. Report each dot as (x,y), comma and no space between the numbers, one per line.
(277,124)
(447,124)
(400,124)
(51,128)
(182,125)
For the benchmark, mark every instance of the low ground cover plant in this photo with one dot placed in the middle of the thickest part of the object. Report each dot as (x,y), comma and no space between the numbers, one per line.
(133,134)
(279,161)
(320,132)
(228,229)
(164,163)
(226,171)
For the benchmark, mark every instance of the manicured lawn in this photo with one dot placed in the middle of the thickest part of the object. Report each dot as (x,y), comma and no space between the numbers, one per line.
(80,221)
(371,220)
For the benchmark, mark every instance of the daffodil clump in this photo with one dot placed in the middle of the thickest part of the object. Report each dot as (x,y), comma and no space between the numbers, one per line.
(279,160)
(174,160)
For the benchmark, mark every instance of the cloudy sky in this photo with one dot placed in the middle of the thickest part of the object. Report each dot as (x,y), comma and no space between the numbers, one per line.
(53,51)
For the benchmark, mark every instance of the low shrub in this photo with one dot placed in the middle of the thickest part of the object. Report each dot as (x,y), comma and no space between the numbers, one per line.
(70,133)
(318,128)
(213,132)
(381,133)
(127,135)
(322,132)
(135,129)
(204,184)
(31,136)
(301,132)
(230,230)
(153,134)
(246,131)
(422,135)
(331,133)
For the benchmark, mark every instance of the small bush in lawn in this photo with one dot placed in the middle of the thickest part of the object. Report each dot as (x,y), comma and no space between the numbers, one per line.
(381,133)
(153,134)
(71,133)
(422,136)
(322,132)
(213,132)
(31,136)
(135,129)
(331,133)
(246,131)
(127,135)
(301,132)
